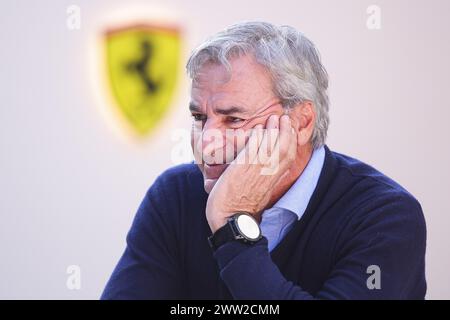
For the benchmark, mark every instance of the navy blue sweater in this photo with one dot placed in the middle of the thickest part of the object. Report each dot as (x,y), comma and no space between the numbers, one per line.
(356,218)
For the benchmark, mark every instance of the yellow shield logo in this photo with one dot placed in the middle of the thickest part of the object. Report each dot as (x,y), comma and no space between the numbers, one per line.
(143,63)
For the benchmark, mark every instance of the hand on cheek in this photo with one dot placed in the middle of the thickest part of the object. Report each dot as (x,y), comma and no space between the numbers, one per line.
(244,186)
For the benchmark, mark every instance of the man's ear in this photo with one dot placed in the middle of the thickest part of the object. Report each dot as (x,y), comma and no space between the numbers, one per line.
(304,118)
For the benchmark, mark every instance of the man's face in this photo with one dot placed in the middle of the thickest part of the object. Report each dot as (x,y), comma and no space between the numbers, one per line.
(222,104)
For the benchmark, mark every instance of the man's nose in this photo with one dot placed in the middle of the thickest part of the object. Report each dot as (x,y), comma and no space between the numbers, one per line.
(213,141)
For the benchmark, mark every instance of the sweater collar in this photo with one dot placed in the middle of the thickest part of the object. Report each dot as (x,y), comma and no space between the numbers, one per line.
(296,199)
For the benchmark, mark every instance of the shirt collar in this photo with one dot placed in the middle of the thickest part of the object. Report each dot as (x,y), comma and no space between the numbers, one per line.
(296,199)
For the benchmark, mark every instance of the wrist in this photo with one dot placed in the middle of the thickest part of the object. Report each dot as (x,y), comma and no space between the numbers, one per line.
(216,224)
(239,227)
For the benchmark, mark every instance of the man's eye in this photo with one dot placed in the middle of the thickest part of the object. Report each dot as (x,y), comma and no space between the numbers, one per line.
(198,117)
(234,120)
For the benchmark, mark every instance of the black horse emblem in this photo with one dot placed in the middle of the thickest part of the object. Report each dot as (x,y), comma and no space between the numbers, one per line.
(141,67)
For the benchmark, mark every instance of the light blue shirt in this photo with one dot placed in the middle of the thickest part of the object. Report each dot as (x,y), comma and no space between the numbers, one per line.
(278,220)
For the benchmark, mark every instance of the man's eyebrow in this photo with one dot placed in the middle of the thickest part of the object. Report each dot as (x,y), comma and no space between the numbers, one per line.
(231,110)
(193,107)
(224,111)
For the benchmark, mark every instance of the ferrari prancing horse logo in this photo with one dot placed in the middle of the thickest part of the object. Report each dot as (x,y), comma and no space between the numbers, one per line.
(143,64)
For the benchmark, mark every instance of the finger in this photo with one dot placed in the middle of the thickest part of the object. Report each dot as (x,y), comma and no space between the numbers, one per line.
(264,112)
(254,145)
(251,147)
(269,139)
(285,148)
(292,153)
(272,162)
(288,149)
(285,134)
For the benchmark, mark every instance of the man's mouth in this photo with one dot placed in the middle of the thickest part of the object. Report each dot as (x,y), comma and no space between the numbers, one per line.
(213,171)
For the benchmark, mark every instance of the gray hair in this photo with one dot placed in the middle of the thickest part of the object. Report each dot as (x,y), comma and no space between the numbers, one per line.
(291,59)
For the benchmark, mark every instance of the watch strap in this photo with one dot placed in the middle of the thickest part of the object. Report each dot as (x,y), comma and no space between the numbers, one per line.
(222,235)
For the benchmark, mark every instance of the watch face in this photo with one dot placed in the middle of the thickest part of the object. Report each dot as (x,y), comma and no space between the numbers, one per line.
(248,227)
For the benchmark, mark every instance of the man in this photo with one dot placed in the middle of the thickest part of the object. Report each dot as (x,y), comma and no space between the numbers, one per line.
(315,225)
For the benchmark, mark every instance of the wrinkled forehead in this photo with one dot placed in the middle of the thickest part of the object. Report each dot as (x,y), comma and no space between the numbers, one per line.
(212,73)
(245,80)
